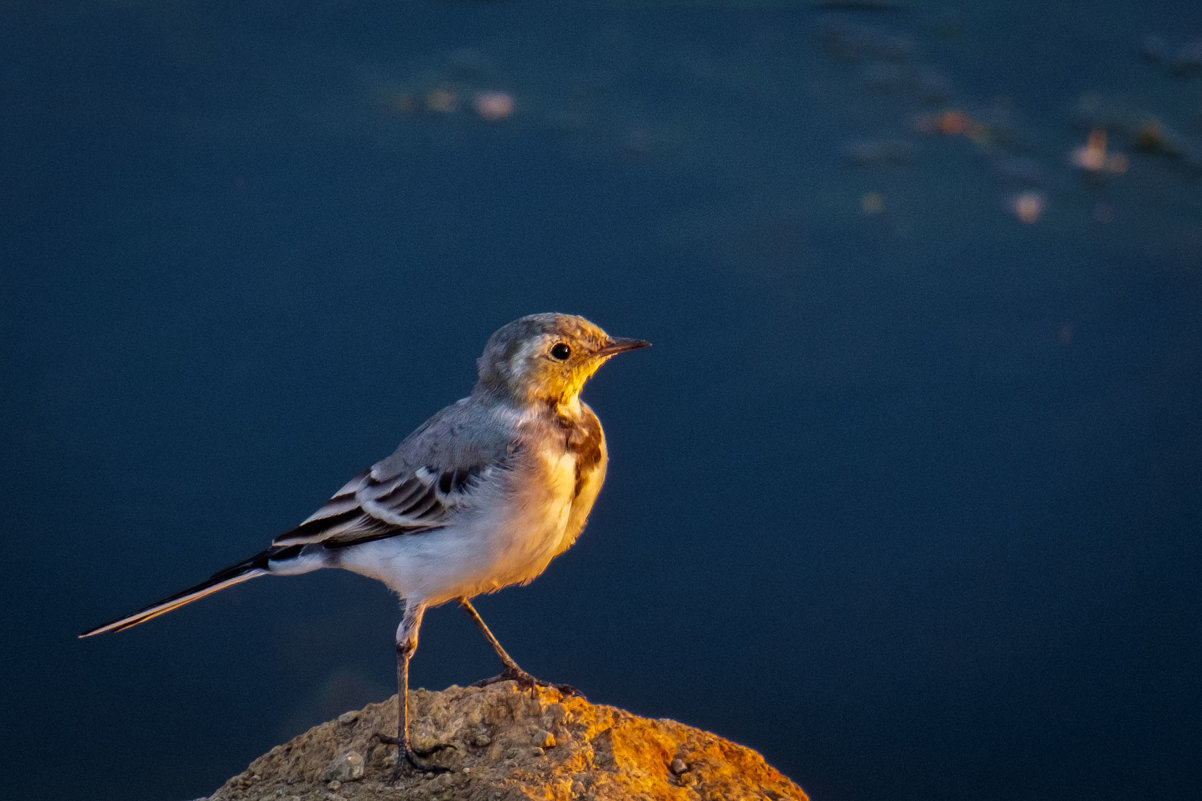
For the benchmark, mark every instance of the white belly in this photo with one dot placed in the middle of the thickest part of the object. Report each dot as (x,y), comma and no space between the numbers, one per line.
(504,539)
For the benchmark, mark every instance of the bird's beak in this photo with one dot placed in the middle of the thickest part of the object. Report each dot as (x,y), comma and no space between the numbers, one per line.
(621,345)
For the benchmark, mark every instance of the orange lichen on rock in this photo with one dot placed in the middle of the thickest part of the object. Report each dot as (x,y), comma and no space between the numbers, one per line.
(511,745)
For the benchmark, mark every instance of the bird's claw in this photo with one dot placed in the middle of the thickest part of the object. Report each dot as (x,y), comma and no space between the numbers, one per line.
(524,679)
(410,757)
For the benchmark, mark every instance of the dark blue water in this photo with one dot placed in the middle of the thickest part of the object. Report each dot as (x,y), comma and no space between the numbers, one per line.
(907,496)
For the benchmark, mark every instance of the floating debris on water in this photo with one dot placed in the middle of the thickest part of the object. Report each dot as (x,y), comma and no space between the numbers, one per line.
(1028,206)
(1093,157)
(493,106)
(1143,130)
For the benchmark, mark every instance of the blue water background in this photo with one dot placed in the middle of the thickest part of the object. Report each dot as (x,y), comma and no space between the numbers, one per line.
(907,496)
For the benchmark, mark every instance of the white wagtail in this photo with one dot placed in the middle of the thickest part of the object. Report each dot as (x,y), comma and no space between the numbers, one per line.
(483,495)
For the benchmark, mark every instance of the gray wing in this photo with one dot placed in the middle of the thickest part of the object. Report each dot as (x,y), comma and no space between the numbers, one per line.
(419,487)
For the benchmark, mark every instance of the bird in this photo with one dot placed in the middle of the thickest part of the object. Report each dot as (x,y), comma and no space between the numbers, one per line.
(481,496)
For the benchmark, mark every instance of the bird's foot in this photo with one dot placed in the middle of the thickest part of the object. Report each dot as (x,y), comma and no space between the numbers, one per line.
(409,757)
(524,679)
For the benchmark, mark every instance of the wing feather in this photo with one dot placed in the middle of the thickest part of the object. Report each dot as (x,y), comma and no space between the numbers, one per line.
(421,501)
(403,494)
(419,487)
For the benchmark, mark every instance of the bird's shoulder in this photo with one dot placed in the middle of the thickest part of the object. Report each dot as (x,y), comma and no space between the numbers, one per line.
(467,434)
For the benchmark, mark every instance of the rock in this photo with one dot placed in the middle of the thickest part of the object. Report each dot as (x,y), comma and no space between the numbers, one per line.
(511,744)
(346,767)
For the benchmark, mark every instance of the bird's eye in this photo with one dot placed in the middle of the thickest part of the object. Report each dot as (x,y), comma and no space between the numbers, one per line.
(561,351)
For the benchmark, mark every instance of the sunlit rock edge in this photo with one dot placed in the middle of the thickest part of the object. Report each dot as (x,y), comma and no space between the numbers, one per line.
(510,744)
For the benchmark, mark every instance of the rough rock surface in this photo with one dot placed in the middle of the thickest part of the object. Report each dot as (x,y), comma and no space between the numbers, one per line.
(510,744)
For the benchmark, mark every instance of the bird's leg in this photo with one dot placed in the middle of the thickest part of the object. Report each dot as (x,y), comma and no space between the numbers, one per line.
(406,644)
(507,660)
(512,672)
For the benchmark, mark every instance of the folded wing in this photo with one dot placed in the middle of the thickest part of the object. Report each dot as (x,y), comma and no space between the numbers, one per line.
(372,507)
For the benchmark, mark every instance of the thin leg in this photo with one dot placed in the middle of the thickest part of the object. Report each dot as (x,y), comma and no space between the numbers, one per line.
(506,659)
(406,644)
(512,671)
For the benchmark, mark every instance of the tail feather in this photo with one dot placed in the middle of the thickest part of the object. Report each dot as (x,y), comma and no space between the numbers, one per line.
(246,570)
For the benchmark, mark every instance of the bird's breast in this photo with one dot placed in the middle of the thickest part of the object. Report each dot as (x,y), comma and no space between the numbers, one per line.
(552,491)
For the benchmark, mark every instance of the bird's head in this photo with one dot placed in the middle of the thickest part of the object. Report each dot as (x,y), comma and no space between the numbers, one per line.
(546,358)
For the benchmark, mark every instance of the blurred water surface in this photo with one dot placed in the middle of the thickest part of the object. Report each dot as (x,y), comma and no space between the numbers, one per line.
(906,496)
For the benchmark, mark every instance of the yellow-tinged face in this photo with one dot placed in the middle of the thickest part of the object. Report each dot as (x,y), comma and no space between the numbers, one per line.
(547,357)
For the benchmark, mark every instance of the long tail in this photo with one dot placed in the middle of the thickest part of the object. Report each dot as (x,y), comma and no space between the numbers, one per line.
(246,570)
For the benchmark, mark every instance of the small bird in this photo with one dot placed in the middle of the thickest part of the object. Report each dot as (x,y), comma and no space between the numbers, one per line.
(481,496)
